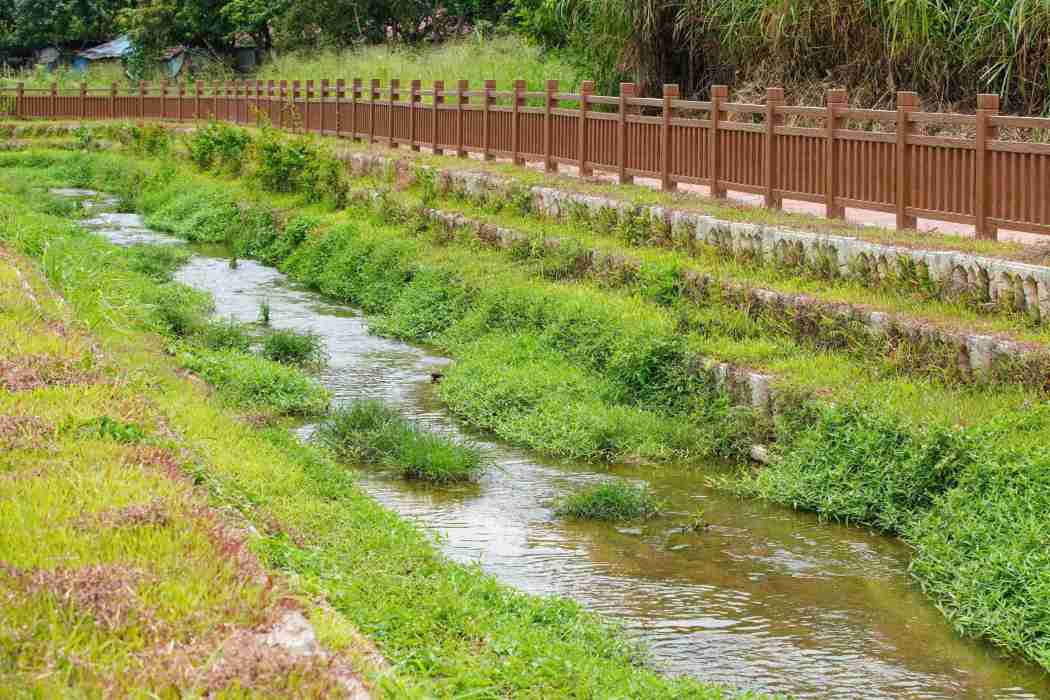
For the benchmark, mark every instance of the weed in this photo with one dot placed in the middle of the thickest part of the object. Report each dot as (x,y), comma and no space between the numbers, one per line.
(106,428)
(373,433)
(158,262)
(223,334)
(289,347)
(612,500)
(264,313)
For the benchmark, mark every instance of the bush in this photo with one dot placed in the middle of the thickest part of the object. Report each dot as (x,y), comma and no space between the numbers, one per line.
(613,500)
(294,348)
(157,262)
(219,145)
(373,433)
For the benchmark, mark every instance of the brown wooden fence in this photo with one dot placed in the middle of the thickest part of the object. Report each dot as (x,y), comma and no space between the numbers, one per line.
(882,160)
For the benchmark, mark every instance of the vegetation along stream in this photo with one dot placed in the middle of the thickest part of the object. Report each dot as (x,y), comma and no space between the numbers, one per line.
(763,598)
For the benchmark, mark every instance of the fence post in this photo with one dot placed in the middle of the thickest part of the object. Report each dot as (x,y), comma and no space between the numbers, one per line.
(486,148)
(549,103)
(414,87)
(515,156)
(987,106)
(82,107)
(269,101)
(774,99)
(182,98)
(20,94)
(163,99)
(307,107)
(906,102)
(627,91)
(340,95)
(373,97)
(395,96)
(323,107)
(719,93)
(834,100)
(666,181)
(586,90)
(439,99)
(143,87)
(282,98)
(196,100)
(462,99)
(214,100)
(355,97)
(52,100)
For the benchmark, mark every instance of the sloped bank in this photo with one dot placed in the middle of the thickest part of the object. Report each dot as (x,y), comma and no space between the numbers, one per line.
(934,486)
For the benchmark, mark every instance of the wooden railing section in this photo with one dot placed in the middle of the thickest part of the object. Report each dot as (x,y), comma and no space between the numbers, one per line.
(834,155)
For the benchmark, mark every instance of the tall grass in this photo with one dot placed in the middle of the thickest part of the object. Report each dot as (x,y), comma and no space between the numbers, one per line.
(502,59)
(612,500)
(373,433)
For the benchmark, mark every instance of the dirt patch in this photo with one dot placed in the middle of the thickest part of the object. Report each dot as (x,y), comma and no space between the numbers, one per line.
(154,513)
(24,432)
(106,592)
(29,372)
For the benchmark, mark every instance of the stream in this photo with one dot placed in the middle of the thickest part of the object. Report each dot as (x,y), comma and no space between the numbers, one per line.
(766,598)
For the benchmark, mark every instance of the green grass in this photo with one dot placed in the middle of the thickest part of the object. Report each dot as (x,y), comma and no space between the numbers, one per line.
(447,630)
(370,432)
(613,500)
(291,347)
(503,59)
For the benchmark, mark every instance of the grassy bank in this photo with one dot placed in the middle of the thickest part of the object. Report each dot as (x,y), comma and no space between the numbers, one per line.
(448,630)
(597,370)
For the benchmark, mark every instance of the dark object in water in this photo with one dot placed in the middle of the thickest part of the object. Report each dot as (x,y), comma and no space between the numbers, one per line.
(435,377)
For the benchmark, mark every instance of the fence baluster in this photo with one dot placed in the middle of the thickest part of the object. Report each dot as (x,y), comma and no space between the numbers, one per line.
(373,98)
(355,97)
(20,95)
(82,107)
(325,90)
(52,101)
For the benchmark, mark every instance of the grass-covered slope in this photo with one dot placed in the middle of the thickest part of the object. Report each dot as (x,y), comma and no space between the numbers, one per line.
(604,369)
(447,630)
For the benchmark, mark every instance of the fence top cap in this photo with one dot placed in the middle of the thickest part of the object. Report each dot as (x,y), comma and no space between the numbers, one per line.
(552,85)
(671,90)
(719,91)
(907,99)
(988,101)
(775,93)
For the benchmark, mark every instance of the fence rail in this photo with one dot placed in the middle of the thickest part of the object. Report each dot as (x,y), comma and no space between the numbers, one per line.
(815,154)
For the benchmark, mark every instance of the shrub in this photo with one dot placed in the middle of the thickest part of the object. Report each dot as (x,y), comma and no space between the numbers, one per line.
(373,433)
(291,347)
(219,145)
(613,500)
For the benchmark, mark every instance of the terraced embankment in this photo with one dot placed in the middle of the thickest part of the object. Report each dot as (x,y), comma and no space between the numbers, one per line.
(928,426)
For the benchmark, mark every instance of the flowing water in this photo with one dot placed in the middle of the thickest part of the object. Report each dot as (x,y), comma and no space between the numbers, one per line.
(764,598)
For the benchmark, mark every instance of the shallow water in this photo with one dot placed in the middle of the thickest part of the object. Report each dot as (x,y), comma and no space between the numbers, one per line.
(765,598)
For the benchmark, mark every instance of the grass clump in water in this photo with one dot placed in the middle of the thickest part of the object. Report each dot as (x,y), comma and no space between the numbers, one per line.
(299,349)
(371,432)
(614,500)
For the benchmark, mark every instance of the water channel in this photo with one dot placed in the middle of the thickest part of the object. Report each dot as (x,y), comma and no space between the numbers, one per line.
(766,598)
